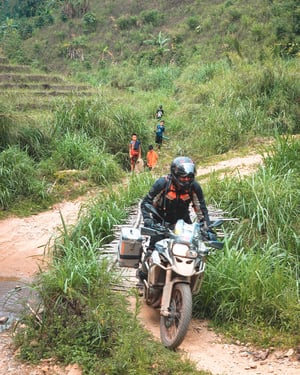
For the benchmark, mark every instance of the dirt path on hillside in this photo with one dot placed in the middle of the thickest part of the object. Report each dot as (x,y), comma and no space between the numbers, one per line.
(22,252)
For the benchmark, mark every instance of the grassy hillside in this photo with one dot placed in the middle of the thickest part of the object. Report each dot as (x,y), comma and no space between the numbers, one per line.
(226,73)
(91,35)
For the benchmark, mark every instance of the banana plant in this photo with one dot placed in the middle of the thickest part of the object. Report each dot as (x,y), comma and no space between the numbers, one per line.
(161,41)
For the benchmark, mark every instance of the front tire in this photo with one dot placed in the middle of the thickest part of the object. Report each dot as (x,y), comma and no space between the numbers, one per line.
(173,328)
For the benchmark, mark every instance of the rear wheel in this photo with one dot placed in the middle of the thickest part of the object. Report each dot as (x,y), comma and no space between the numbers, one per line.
(173,328)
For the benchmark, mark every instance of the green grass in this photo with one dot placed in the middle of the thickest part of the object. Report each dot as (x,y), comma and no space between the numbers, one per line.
(255,282)
(82,320)
(18,177)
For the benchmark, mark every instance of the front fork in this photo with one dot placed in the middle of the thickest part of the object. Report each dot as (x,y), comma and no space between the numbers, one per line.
(167,291)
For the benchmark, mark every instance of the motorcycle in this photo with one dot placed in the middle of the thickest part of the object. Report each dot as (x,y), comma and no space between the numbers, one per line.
(175,271)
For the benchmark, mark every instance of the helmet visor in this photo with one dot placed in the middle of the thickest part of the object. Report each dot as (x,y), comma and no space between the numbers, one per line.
(187,169)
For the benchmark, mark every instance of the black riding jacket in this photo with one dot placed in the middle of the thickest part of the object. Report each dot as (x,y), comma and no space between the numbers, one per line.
(173,204)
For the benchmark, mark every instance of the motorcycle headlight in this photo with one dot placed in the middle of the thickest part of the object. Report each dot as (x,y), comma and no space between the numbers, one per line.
(182,250)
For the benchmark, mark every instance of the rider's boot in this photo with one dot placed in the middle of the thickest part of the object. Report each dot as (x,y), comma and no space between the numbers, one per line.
(142,272)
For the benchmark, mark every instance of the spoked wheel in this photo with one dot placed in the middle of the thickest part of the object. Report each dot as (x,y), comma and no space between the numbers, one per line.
(173,328)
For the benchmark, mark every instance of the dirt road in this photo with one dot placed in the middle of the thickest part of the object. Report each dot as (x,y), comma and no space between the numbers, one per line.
(21,252)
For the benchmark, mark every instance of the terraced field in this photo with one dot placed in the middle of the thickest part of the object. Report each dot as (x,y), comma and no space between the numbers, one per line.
(22,89)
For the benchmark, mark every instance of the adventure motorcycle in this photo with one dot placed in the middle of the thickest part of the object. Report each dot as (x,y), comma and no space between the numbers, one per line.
(175,270)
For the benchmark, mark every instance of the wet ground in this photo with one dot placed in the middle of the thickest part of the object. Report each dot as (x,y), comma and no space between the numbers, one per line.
(23,252)
(14,300)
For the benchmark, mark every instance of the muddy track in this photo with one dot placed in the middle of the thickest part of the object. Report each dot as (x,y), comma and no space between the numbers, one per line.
(22,244)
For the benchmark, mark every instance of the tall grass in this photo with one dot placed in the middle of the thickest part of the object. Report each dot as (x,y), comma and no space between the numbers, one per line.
(18,177)
(267,202)
(5,127)
(256,280)
(35,141)
(223,105)
(251,288)
(82,320)
(22,131)
(283,156)
(109,125)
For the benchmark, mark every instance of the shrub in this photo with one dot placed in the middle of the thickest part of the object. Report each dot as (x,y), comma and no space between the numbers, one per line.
(12,47)
(44,19)
(103,168)
(192,22)
(126,22)
(77,151)
(90,21)
(152,16)
(156,78)
(18,177)
(25,29)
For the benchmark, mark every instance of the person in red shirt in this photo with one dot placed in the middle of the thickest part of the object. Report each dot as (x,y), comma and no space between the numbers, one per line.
(152,158)
(135,151)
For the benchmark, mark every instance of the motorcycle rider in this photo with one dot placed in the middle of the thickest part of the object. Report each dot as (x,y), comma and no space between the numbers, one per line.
(172,195)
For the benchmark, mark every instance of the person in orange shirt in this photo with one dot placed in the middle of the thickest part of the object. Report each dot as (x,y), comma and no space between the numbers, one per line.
(152,158)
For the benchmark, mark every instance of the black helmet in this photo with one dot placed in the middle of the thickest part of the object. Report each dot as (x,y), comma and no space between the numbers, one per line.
(182,166)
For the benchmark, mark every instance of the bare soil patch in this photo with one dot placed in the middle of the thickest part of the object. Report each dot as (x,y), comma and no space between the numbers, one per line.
(235,166)
(210,351)
(22,244)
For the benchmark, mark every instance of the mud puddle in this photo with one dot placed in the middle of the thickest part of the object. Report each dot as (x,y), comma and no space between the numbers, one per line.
(16,297)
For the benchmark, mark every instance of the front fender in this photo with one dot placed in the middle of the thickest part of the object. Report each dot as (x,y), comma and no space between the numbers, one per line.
(167,291)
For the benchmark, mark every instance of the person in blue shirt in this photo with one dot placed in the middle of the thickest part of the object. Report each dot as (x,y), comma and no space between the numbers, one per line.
(160,128)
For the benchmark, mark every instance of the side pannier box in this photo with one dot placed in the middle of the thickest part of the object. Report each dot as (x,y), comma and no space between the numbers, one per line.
(130,247)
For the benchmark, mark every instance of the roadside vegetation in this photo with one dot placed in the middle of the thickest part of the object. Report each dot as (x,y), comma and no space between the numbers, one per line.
(255,283)
(82,319)
(220,94)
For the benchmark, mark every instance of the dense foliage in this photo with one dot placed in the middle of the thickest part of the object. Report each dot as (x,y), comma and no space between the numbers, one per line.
(261,263)
(146,33)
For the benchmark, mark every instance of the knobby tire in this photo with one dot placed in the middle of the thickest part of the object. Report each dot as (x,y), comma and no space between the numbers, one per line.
(174,328)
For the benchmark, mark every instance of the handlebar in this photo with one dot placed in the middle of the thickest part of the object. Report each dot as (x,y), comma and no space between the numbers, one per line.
(208,236)
(156,229)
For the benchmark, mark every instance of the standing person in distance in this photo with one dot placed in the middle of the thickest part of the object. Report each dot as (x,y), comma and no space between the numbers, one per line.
(152,158)
(135,150)
(159,112)
(160,128)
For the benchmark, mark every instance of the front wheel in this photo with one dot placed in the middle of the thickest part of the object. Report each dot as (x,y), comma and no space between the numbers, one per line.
(173,328)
